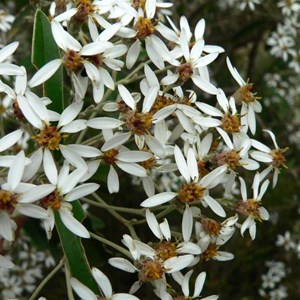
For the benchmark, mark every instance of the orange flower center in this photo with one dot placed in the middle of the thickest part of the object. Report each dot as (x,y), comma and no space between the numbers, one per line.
(190,192)
(49,138)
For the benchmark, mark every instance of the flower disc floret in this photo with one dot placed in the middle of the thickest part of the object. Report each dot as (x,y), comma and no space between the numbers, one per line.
(161,101)
(211,226)
(231,123)
(139,123)
(53,200)
(144,28)
(49,137)
(278,157)
(150,270)
(165,250)
(250,207)
(190,192)
(73,61)
(210,252)
(110,156)
(8,201)
(185,72)
(149,163)
(85,8)
(230,158)
(244,94)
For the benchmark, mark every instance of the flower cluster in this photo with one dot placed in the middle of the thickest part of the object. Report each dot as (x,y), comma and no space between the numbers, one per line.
(140,103)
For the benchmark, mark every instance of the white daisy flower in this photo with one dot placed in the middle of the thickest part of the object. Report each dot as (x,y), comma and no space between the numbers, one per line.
(251,208)
(249,102)
(12,194)
(193,189)
(64,192)
(274,157)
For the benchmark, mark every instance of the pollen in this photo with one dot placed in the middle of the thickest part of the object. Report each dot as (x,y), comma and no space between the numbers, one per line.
(49,138)
(144,28)
(185,72)
(190,192)
(250,207)
(53,200)
(230,158)
(8,201)
(73,61)
(211,252)
(244,94)
(160,102)
(211,226)
(149,163)
(165,250)
(84,9)
(151,270)
(231,123)
(139,123)
(278,158)
(110,156)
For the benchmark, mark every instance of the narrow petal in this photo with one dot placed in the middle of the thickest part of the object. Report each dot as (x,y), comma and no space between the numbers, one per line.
(181,163)
(104,123)
(215,206)
(187,224)
(126,96)
(72,224)
(132,168)
(158,199)
(103,282)
(81,290)
(113,184)
(81,191)
(10,139)
(49,166)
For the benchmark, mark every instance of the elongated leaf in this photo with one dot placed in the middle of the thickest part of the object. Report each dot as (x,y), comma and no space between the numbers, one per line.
(74,251)
(44,49)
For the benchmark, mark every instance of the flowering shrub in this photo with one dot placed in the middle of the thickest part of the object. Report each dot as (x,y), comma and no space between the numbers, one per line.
(123,134)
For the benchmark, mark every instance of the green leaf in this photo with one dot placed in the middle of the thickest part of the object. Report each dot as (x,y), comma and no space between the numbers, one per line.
(44,49)
(74,251)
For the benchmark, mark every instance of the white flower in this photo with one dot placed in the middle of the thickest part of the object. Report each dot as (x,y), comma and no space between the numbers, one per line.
(105,286)
(193,189)
(273,157)
(12,194)
(7,68)
(63,192)
(251,207)
(249,102)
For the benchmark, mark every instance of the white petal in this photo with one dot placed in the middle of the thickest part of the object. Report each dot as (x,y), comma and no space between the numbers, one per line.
(153,224)
(70,113)
(158,199)
(8,50)
(81,191)
(187,224)
(95,48)
(215,206)
(45,72)
(10,139)
(72,224)
(81,290)
(181,163)
(36,193)
(149,99)
(85,151)
(178,263)
(123,264)
(5,262)
(205,85)
(113,184)
(155,146)
(72,157)
(32,211)
(28,112)
(132,168)
(133,54)
(10,69)
(133,156)
(104,123)
(199,284)
(115,141)
(49,166)
(165,229)
(192,165)
(68,183)
(126,96)
(103,282)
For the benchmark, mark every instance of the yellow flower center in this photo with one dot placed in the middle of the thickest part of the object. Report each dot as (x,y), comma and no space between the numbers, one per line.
(278,158)
(139,123)
(85,8)
(190,192)
(249,208)
(49,138)
(160,102)
(8,201)
(211,226)
(244,94)
(109,156)
(149,163)
(230,158)
(150,270)
(53,200)
(231,123)
(165,250)
(185,72)
(210,252)
(144,28)
(73,61)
